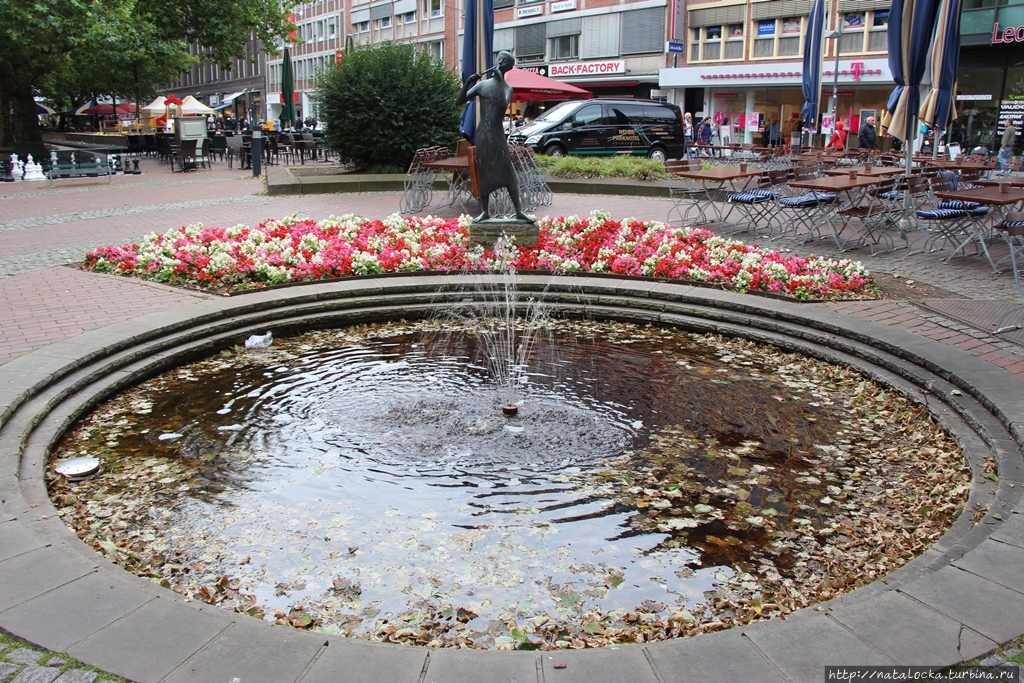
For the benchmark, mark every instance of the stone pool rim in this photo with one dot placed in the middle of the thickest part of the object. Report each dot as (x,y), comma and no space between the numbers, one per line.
(954,602)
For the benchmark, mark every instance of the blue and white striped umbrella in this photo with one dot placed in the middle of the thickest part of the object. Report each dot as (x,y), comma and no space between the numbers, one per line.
(939,107)
(910,31)
(812,64)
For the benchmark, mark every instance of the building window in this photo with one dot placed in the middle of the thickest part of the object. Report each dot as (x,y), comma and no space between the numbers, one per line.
(734,42)
(363,26)
(436,50)
(407,18)
(332,28)
(383,22)
(432,8)
(565,47)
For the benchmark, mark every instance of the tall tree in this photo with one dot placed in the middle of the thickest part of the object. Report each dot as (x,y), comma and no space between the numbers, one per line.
(121,47)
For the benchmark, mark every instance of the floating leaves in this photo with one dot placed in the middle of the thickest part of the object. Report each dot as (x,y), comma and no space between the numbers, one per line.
(749,483)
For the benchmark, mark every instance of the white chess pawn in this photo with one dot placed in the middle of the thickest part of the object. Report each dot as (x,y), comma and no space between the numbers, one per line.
(33,171)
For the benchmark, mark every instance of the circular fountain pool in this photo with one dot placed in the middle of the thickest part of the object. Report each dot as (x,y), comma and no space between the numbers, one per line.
(654,483)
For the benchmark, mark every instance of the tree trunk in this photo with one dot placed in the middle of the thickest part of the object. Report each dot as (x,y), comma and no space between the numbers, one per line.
(26,121)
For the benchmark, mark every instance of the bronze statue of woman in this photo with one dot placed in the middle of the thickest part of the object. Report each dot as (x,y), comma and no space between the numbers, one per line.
(493,161)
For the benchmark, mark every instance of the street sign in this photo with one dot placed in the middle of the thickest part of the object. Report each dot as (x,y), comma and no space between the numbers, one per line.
(677,47)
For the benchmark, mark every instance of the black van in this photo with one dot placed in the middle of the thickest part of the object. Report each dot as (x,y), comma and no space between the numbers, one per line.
(605,127)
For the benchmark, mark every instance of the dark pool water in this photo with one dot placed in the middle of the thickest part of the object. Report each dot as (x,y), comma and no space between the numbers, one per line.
(364,476)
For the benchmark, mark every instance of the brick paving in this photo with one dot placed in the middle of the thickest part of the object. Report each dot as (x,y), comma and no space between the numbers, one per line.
(44,228)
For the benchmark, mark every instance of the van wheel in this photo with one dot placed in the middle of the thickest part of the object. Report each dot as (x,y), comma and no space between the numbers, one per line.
(657,154)
(554,150)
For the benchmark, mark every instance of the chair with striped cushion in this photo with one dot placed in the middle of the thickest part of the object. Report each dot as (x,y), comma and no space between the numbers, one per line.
(799,210)
(759,204)
(875,219)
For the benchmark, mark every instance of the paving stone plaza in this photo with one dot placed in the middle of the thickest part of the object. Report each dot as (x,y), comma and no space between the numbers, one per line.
(959,600)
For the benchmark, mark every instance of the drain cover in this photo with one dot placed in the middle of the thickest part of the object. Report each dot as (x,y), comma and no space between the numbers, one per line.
(78,468)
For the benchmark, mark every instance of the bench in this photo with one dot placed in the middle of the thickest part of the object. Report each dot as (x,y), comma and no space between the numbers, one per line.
(79,163)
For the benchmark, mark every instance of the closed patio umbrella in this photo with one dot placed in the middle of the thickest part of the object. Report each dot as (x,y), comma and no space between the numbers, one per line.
(910,30)
(477,55)
(939,108)
(287,90)
(811,84)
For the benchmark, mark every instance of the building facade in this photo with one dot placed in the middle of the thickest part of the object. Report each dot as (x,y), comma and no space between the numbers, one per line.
(238,92)
(744,65)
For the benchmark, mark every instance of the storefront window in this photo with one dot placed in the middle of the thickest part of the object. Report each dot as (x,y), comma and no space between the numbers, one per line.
(978,94)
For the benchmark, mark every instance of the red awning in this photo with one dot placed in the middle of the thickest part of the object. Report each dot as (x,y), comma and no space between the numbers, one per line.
(106,109)
(528,86)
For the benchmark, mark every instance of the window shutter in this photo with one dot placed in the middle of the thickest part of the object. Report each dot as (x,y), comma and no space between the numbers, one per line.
(530,41)
(600,37)
(863,5)
(718,16)
(381,11)
(564,27)
(643,31)
(360,15)
(777,9)
(504,39)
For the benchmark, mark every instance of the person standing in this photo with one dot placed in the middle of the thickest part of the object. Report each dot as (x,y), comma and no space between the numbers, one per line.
(838,140)
(867,138)
(688,132)
(774,134)
(704,134)
(1006,146)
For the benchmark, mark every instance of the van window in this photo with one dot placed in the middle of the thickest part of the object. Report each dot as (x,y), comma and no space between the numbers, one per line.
(662,115)
(587,115)
(627,114)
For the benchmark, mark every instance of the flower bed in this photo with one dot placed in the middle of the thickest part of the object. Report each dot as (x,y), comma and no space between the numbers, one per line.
(293,250)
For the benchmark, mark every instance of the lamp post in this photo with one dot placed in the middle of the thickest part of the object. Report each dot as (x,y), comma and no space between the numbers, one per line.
(835,35)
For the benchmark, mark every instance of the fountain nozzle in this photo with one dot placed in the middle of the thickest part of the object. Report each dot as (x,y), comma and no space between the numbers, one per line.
(510,409)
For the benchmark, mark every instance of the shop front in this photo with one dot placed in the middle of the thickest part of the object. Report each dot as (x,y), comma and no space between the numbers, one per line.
(990,93)
(760,103)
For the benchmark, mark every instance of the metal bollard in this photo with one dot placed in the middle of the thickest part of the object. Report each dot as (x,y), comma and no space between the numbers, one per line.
(257,153)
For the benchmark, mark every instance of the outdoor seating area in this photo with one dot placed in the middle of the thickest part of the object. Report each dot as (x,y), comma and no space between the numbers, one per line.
(956,208)
(458,170)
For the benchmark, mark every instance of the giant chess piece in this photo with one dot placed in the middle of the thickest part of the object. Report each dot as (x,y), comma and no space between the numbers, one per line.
(493,159)
(8,176)
(135,167)
(17,168)
(33,171)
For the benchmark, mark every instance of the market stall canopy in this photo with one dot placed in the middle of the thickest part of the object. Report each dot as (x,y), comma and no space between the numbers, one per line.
(42,109)
(156,107)
(530,87)
(190,106)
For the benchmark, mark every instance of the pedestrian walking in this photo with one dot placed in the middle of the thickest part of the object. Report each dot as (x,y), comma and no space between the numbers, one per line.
(867,138)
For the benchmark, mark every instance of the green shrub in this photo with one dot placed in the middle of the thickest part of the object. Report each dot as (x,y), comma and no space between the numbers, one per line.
(634,168)
(385,101)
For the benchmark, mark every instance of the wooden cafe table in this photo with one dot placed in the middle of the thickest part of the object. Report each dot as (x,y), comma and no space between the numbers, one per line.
(711,180)
(979,228)
(873,172)
(842,186)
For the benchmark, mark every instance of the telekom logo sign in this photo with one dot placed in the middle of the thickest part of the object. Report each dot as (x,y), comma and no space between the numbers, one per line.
(1009,34)
(856,68)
